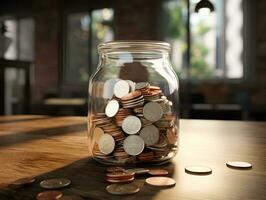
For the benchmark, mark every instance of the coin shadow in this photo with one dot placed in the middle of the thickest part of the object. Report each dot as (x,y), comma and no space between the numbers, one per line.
(87,180)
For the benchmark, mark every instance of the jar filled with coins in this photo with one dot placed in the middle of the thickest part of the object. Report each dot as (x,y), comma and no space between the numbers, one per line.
(133,104)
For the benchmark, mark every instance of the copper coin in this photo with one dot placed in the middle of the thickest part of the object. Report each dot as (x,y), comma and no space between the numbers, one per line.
(161,181)
(55,183)
(115,169)
(123,189)
(49,195)
(138,170)
(239,164)
(120,174)
(71,197)
(158,172)
(131,95)
(24,181)
(120,180)
(198,170)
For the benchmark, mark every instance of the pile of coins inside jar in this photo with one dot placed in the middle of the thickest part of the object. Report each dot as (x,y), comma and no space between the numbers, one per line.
(138,125)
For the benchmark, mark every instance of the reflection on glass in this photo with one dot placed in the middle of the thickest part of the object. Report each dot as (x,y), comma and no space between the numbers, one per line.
(84,32)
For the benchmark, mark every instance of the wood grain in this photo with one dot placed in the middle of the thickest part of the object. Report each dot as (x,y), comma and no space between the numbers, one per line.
(45,146)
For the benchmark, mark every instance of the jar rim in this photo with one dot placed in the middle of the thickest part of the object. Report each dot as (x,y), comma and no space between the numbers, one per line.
(134,46)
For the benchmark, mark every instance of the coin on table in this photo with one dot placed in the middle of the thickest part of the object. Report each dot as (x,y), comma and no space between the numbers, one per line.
(131,124)
(153,111)
(239,164)
(122,189)
(97,133)
(160,181)
(121,88)
(55,183)
(198,170)
(150,135)
(106,144)
(133,145)
(138,170)
(112,108)
(158,172)
(24,181)
(71,197)
(48,195)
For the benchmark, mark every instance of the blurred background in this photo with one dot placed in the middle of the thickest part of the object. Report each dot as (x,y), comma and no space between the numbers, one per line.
(48,50)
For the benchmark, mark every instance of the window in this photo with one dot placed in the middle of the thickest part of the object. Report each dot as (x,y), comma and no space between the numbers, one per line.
(216,40)
(84,31)
(21,35)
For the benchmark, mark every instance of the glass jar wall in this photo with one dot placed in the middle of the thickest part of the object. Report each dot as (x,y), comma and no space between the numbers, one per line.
(133,104)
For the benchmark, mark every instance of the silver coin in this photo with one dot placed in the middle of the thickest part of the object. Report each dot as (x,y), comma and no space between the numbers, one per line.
(138,170)
(198,170)
(239,164)
(133,145)
(141,85)
(122,189)
(97,134)
(131,85)
(121,88)
(112,108)
(106,144)
(152,111)
(150,135)
(131,124)
(55,183)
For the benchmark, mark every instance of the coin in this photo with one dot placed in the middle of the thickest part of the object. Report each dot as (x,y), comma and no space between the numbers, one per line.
(158,172)
(106,144)
(131,84)
(112,108)
(49,195)
(160,181)
(198,170)
(133,145)
(239,164)
(120,180)
(152,111)
(131,124)
(98,132)
(24,181)
(150,135)
(121,89)
(141,85)
(55,183)
(124,189)
(138,170)
(131,96)
(71,197)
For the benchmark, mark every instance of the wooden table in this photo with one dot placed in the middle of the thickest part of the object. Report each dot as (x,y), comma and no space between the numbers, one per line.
(45,147)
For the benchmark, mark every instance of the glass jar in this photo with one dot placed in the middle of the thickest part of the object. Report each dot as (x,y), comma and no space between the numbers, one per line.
(133,104)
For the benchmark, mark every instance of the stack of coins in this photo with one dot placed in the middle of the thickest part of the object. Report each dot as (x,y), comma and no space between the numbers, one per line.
(120,177)
(121,115)
(137,126)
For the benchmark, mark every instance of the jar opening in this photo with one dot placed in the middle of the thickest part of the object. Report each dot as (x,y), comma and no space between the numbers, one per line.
(134,46)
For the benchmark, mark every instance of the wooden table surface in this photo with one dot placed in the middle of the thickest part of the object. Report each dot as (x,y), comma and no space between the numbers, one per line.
(45,146)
